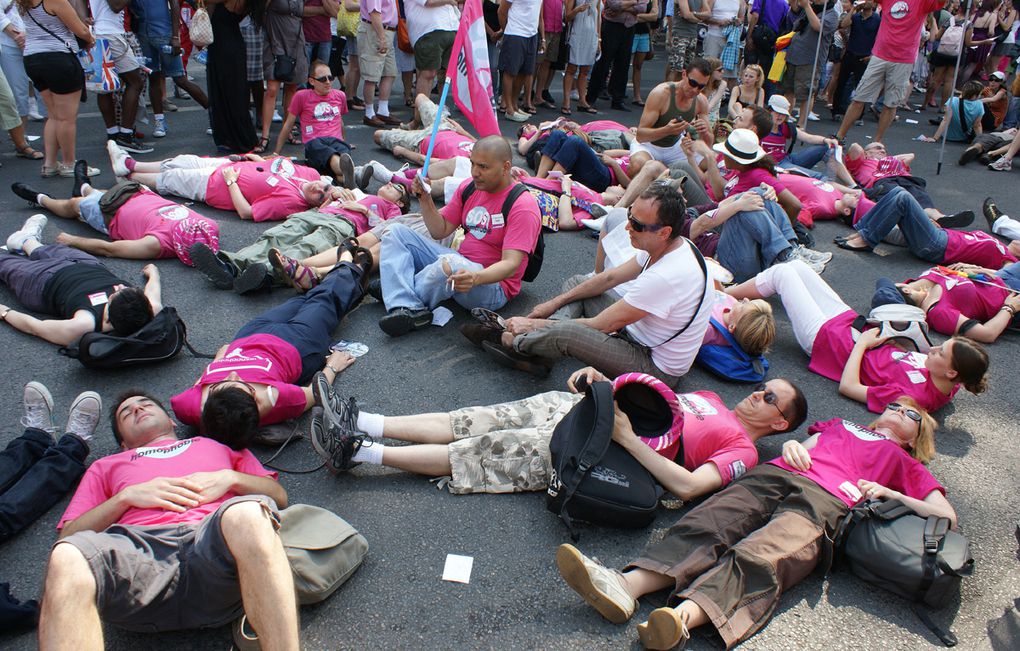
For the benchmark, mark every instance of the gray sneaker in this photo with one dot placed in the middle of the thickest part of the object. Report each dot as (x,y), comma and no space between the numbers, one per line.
(32,229)
(810,255)
(815,266)
(83,417)
(604,589)
(38,406)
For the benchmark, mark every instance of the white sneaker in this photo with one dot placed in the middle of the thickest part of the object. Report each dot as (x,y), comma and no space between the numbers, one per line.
(160,130)
(1001,165)
(594,224)
(67,171)
(118,158)
(810,255)
(277,117)
(31,230)
(816,266)
(813,117)
(519,116)
(33,110)
(574,95)
(602,588)
(83,417)
(38,406)
(379,171)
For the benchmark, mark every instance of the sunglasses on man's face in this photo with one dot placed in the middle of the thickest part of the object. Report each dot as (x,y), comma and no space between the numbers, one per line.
(907,411)
(324,79)
(769,396)
(696,84)
(638,227)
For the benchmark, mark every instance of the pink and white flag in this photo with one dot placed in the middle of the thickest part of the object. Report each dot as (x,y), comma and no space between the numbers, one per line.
(468,71)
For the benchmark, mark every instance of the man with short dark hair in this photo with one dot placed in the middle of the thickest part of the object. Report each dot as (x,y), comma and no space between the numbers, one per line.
(658,324)
(72,285)
(151,527)
(416,273)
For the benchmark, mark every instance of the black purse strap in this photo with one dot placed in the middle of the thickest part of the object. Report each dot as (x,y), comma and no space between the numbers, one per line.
(48,31)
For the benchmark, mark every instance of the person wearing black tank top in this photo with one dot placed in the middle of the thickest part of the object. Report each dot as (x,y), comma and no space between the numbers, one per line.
(72,286)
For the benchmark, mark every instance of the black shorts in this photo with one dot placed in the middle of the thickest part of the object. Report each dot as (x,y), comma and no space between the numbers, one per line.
(318,151)
(517,55)
(58,72)
(939,60)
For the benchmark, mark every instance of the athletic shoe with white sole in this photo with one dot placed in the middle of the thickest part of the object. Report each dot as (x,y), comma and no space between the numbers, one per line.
(118,158)
(83,417)
(38,407)
(602,588)
(32,229)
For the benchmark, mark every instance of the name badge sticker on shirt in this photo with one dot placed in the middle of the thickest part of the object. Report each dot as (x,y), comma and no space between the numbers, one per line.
(851,491)
(99,298)
(497,220)
(916,377)
(272,181)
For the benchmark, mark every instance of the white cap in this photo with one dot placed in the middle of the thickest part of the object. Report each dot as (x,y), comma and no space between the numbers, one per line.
(780,104)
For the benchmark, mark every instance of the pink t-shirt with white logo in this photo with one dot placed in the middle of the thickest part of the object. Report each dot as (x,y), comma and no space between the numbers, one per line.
(257,359)
(449,144)
(488,232)
(109,475)
(887,371)
(712,434)
(272,188)
(320,115)
(868,171)
(385,209)
(174,226)
(603,125)
(962,297)
(817,198)
(775,142)
(976,247)
(899,32)
(846,452)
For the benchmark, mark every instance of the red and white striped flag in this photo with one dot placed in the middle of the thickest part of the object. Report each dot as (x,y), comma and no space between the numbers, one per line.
(468,71)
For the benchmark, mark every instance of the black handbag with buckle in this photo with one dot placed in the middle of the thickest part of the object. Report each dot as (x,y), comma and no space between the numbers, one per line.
(283,68)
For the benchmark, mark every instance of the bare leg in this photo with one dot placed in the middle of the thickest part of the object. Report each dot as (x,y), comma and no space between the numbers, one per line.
(193,89)
(268,106)
(544,165)
(637,161)
(526,82)
(148,179)
(420,428)
(511,88)
(582,85)
(410,155)
(640,182)
(324,259)
(641,582)
(884,120)
(65,208)
(425,80)
(639,59)
(385,86)
(267,585)
(429,460)
(568,84)
(853,113)
(69,618)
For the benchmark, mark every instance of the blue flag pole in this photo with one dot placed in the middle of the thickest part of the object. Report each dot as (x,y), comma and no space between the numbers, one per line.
(435,127)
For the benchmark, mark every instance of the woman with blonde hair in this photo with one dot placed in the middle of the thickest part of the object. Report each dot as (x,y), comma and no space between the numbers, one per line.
(749,92)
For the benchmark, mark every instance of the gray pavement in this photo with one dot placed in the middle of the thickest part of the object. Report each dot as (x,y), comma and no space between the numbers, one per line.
(516,598)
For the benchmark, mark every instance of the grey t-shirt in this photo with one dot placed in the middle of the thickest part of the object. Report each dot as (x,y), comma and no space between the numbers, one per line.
(683,28)
(802,47)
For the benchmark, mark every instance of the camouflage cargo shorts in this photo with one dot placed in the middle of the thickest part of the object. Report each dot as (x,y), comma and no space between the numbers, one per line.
(504,448)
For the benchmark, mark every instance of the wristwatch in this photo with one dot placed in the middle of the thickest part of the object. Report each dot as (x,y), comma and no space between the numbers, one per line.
(230,183)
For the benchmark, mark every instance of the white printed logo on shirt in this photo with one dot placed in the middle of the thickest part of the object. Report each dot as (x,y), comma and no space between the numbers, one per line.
(478,222)
(913,359)
(162,452)
(823,186)
(325,112)
(175,213)
(851,491)
(862,433)
(696,405)
(237,361)
(899,10)
(282,166)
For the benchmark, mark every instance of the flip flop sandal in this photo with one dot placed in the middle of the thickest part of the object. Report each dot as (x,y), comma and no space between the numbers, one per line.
(566,111)
(299,276)
(262,146)
(28,152)
(488,318)
(587,109)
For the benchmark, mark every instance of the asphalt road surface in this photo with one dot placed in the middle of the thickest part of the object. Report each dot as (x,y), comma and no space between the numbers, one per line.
(516,598)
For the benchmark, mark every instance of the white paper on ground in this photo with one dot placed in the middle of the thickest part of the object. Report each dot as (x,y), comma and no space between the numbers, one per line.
(909,121)
(441,316)
(458,568)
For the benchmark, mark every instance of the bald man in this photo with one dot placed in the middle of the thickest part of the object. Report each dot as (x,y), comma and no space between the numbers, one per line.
(417,274)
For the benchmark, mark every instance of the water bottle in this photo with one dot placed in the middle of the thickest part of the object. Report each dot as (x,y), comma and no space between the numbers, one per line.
(374,218)
(167,49)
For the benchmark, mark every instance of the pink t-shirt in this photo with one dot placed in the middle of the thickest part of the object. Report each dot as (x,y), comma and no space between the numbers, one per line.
(386,210)
(846,452)
(320,116)
(712,434)
(899,32)
(488,232)
(723,304)
(449,144)
(109,475)
(774,143)
(817,198)
(174,226)
(962,297)
(864,205)
(603,125)
(581,193)
(750,179)
(272,188)
(868,171)
(887,371)
(976,247)
(552,16)
(259,359)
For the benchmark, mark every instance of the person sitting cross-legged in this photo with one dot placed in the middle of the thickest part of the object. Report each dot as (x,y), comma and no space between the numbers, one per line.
(160,522)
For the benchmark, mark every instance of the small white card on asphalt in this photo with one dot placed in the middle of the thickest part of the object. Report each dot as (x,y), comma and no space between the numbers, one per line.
(458,568)
(441,316)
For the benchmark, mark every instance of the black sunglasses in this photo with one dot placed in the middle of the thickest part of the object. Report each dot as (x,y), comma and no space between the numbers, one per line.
(696,84)
(910,413)
(323,79)
(770,398)
(638,227)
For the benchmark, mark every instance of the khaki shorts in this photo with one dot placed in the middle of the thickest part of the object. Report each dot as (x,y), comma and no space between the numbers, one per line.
(375,66)
(505,448)
(893,78)
(165,578)
(552,46)
(798,80)
(432,51)
(411,139)
(187,175)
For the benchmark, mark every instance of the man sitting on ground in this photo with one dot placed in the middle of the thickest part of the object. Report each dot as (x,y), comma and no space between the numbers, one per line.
(192,517)
(73,286)
(417,274)
(256,189)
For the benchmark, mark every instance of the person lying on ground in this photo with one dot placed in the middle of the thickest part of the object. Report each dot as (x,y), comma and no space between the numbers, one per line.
(260,378)
(73,287)
(987,144)
(1005,153)
(771,527)
(192,516)
(451,139)
(255,188)
(869,369)
(504,448)
(144,227)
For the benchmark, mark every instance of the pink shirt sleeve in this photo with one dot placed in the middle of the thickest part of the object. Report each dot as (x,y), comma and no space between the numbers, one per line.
(297,103)
(290,403)
(187,405)
(92,491)
(742,456)
(244,461)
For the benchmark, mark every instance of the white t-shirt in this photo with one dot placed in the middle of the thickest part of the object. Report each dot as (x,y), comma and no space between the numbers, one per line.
(723,10)
(106,20)
(421,19)
(669,291)
(522,19)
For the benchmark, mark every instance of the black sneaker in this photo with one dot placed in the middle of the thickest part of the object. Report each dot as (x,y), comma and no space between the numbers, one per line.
(336,412)
(476,333)
(969,155)
(991,211)
(510,358)
(547,96)
(81,177)
(401,320)
(374,289)
(255,277)
(334,446)
(216,271)
(27,193)
(132,145)
(347,169)
(957,219)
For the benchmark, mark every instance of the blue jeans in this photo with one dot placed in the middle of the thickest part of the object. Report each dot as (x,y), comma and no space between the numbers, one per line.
(318,51)
(898,208)
(13,64)
(307,322)
(579,159)
(35,474)
(804,159)
(88,209)
(411,271)
(1010,275)
(751,241)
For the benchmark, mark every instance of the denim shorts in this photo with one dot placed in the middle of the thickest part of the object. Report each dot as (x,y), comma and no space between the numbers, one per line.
(158,61)
(90,213)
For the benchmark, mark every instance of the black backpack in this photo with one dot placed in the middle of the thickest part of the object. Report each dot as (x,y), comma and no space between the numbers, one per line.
(536,256)
(594,479)
(156,341)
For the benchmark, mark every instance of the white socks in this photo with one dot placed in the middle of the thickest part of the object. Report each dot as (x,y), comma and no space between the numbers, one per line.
(384,107)
(369,452)
(369,110)
(371,425)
